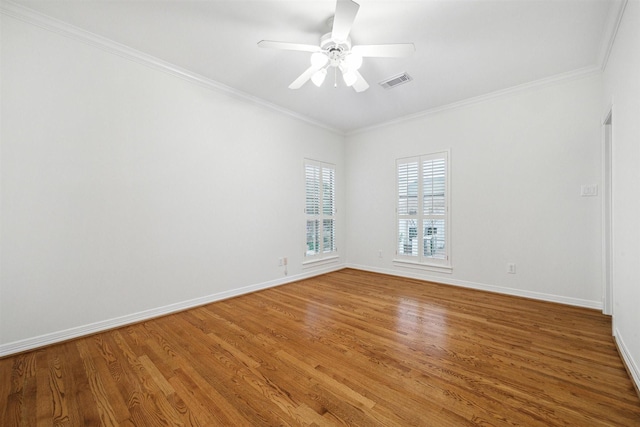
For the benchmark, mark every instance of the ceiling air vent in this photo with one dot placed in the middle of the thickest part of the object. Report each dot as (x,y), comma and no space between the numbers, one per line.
(396,81)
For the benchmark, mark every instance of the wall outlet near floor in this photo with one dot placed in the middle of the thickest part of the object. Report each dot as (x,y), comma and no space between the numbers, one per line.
(511,268)
(282,262)
(380,253)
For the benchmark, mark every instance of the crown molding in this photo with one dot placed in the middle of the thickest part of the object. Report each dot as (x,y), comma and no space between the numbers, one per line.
(610,32)
(548,81)
(606,45)
(46,22)
(49,23)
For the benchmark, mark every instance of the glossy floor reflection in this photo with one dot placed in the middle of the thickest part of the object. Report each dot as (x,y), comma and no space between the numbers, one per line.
(345,348)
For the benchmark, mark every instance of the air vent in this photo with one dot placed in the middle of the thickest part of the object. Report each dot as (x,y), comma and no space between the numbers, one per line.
(396,81)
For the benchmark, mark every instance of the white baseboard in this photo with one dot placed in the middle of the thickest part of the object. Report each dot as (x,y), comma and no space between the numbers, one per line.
(84,330)
(625,354)
(483,287)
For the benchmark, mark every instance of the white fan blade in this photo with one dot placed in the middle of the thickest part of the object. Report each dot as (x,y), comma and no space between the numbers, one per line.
(346,11)
(304,77)
(361,84)
(289,46)
(399,50)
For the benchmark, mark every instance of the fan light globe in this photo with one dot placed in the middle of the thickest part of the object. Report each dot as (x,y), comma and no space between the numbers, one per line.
(318,77)
(353,61)
(349,77)
(318,59)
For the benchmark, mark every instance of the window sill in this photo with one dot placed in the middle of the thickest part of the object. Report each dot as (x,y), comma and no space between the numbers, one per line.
(321,261)
(422,266)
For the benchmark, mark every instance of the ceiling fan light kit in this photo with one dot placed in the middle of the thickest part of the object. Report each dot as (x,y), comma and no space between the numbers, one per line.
(335,50)
(318,77)
(318,59)
(349,77)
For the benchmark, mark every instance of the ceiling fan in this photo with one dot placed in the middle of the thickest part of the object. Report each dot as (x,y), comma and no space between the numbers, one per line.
(335,50)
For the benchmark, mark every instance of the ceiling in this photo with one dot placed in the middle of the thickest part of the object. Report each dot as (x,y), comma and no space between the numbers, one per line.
(464,48)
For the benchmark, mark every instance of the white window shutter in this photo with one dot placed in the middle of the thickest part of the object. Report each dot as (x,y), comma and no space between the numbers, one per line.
(434,207)
(312,187)
(422,210)
(320,209)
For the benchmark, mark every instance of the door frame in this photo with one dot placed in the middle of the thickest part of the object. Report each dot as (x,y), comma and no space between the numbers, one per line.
(607,210)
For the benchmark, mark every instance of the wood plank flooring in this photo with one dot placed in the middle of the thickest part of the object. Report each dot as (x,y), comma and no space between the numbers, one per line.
(346,348)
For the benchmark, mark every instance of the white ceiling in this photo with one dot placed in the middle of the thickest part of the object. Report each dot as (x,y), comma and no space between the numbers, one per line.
(464,48)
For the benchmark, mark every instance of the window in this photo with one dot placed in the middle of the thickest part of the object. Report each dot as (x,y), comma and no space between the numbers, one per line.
(320,210)
(423,224)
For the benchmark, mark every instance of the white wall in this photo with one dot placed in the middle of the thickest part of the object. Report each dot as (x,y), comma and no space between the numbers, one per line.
(517,164)
(127,189)
(622,90)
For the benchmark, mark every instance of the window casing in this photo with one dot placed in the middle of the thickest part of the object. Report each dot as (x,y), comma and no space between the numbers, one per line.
(320,210)
(423,216)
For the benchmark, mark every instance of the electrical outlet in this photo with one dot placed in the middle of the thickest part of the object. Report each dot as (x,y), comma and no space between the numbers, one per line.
(380,253)
(511,268)
(280,261)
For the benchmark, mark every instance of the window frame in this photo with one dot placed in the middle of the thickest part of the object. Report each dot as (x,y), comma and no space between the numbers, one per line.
(415,211)
(317,210)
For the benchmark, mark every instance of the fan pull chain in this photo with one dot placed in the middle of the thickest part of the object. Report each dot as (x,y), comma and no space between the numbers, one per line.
(335,77)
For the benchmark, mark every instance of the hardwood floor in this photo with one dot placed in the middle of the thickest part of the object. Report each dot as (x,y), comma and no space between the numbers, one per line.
(349,348)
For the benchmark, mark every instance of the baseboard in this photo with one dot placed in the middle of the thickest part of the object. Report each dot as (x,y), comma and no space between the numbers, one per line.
(484,287)
(629,363)
(84,330)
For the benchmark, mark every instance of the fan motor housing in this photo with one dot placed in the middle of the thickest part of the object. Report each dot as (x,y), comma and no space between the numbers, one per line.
(336,49)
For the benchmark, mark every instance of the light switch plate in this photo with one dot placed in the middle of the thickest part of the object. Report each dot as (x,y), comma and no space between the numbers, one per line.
(589,190)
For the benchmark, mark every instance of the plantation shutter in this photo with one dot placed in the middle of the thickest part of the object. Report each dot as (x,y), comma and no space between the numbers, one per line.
(312,209)
(434,207)
(408,207)
(320,208)
(422,211)
(328,209)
